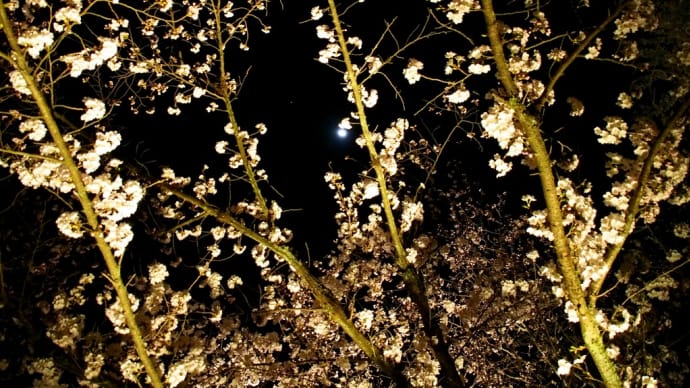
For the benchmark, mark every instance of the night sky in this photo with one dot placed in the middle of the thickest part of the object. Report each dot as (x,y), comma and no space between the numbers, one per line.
(301,101)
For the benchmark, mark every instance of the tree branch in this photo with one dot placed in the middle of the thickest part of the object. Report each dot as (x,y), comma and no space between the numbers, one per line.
(573,55)
(635,199)
(83,197)
(589,327)
(239,140)
(412,279)
(322,295)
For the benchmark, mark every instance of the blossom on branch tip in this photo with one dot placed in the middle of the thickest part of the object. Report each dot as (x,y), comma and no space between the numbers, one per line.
(198,92)
(35,41)
(500,165)
(69,223)
(595,50)
(373,64)
(576,106)
(67,15)
(19,83)
(624,101)
(345,124)
(411,72)
(221,146)
(564,366)
(316,13)
(570,310)
(106,142)
(557,55)
(459,95)
(682,230)
(323,31)
(35,127)
(95,110)
(616,130)
(355,41)
(332,50)
(457,9)
(261,128)
(174,111)
(673,256)
(478,68)
(89,59)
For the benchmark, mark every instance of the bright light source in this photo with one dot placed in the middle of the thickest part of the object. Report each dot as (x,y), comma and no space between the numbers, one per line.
(342,133)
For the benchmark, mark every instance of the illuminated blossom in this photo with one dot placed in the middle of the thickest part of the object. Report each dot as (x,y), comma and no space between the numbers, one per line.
(616,130)
(95,110)
(411,72)
(69,223)
(36,129)
(576,106)
(106,142)
(316,13)
(35,41)
(89,59)
(457,9)
(65,16)
(458,96)
(19,83)
(478,68)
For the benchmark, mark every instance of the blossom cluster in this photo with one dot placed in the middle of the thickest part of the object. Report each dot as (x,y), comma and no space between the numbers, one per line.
(456,10)
(499,123)
(114,199)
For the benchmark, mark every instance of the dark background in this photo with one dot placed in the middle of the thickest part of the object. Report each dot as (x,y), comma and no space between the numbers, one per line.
(301,101)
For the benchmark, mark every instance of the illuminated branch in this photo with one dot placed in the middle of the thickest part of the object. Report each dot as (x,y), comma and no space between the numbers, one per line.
(634,204)
(589,327)
(87,206)
(322,295)
(239,140)
(413,280)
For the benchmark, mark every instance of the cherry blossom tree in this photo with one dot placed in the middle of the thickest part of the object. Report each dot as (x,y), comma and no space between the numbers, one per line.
(587,246)
(153,277)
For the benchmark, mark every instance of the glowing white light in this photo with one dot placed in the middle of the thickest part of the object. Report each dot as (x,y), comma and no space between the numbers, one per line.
(342,133)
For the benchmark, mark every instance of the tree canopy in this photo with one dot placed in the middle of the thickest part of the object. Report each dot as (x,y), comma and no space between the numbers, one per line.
(507,203)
